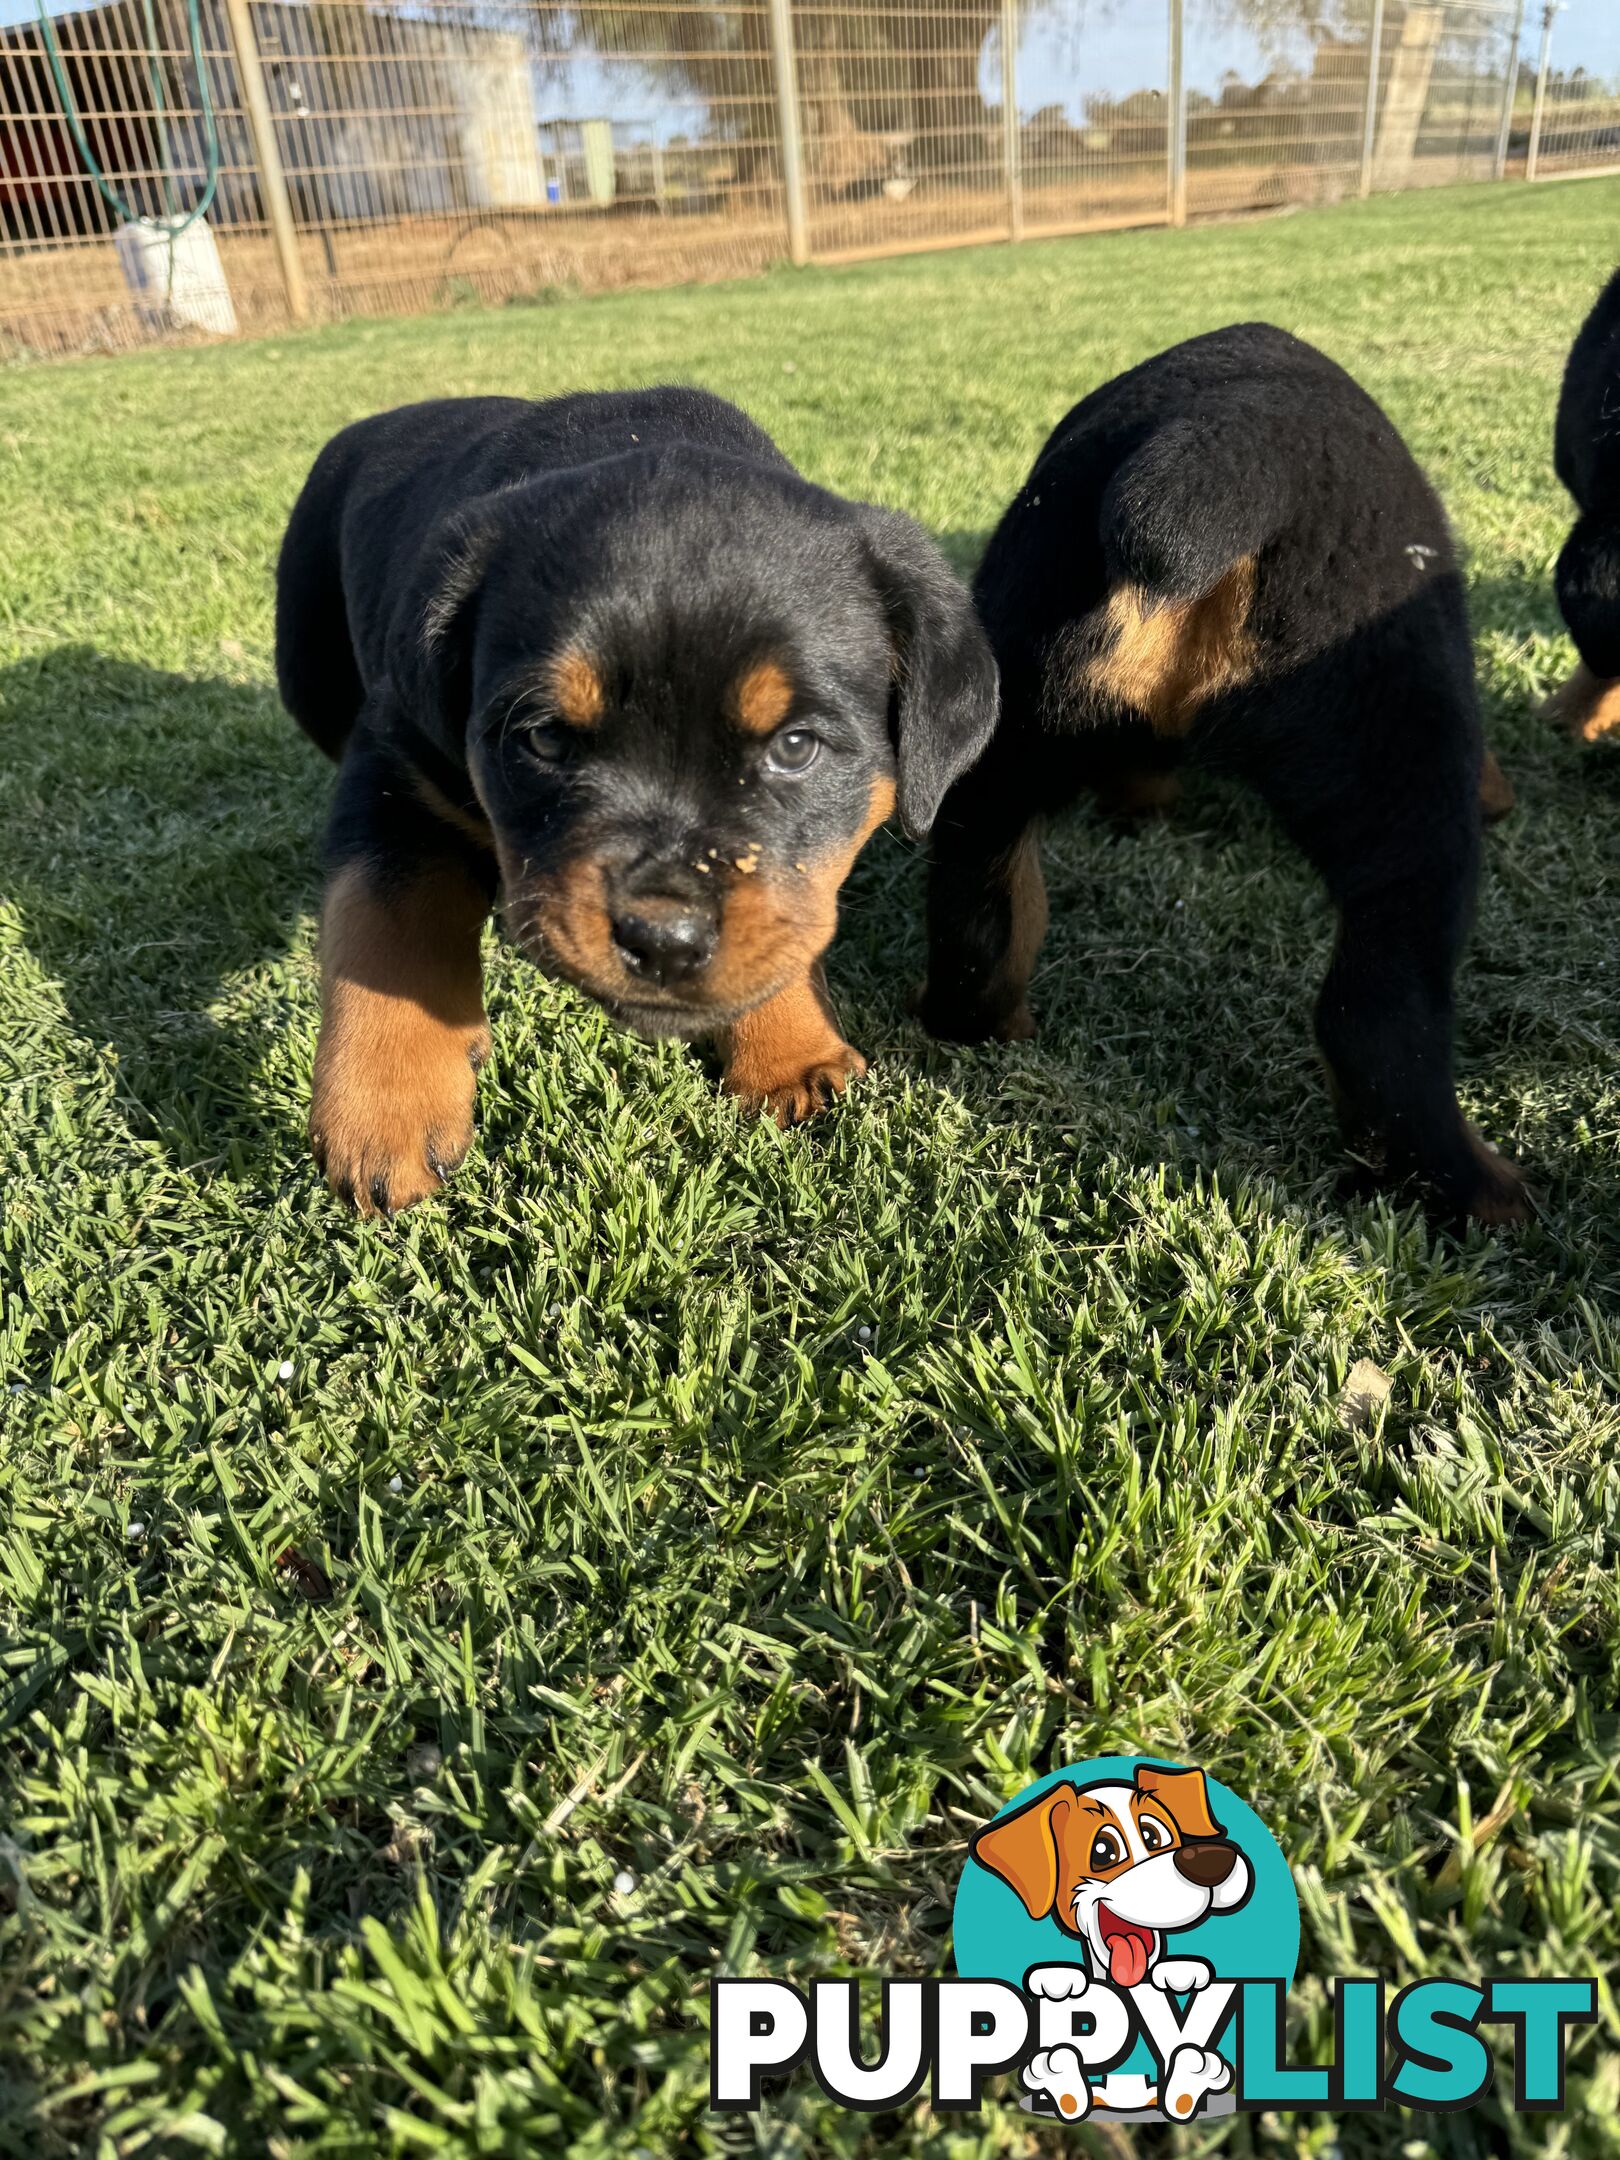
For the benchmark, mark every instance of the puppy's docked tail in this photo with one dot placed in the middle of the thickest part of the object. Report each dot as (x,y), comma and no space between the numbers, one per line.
(1181,522)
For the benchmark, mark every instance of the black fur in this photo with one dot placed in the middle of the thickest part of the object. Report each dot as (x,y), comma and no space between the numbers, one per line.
(1356,721)
(1587,453)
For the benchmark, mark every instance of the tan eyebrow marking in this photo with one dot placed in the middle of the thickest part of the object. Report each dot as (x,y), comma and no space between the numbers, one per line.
(576,688)
(764,697)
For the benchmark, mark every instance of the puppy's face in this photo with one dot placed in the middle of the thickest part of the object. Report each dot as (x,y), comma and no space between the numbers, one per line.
(1120,1866)
(692,692)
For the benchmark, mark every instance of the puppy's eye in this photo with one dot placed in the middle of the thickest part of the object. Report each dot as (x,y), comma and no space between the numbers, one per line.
(1107,1849)
(795,750)
(545,740)
(1154,1835)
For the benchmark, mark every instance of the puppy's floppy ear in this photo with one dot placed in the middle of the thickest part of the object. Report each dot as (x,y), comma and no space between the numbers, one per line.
(430,637)
(1022,1849)
(944,704)
(1184,1796)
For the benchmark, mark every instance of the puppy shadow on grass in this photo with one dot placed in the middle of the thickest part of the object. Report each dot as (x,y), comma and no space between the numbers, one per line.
(160,837)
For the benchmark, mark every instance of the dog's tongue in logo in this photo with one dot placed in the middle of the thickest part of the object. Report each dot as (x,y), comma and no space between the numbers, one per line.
(1129,1948)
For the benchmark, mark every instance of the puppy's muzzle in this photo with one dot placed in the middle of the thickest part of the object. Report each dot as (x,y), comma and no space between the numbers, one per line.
(1206,1862)
(663,942)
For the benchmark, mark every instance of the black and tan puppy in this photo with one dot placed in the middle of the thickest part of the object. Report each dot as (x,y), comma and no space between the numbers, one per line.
(1228,555)
(1586,450)
(611,661)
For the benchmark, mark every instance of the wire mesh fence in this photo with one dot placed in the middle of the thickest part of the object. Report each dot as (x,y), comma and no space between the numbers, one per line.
(358,156)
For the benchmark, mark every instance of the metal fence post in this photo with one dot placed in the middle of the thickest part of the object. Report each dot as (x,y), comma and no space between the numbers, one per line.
(1178,119)
(1509,93)
(787,108)
(1533,154)
(1012,149)
(1369,121)
(267,156)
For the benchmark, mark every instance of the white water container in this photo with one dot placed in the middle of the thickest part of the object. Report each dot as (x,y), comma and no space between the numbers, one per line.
(178,280)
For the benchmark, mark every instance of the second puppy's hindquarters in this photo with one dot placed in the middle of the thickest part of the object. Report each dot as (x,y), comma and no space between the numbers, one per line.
(1587,453)
(1227,555)
(611,661)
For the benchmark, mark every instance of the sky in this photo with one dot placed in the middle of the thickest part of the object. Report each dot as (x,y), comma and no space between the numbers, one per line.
(1067,51)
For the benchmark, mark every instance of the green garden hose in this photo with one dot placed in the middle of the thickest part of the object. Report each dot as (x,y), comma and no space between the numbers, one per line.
(174,224)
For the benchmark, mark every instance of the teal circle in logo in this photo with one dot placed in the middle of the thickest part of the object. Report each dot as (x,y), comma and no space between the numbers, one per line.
(1092,1856)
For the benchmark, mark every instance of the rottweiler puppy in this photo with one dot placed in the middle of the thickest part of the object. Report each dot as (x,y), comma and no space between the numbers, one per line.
(1586,450)
(1228,556)
(611,662)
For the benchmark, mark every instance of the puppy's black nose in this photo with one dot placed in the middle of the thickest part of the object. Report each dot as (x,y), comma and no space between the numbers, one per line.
(1206,1863)
(664,945)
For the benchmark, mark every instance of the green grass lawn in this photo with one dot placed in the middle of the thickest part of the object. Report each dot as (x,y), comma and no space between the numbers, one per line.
(373,1596)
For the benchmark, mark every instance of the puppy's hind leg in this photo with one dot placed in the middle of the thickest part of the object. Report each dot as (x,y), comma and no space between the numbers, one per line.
(1384,1022)
(986,894)
(986,920)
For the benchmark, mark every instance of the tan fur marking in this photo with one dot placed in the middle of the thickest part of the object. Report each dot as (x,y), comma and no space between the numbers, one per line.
(764,697)
(786,1057)
(1496,797)
(576,688)
(1026,898)
(402,1028)
(1587,705)
(774,927)
(1164,658)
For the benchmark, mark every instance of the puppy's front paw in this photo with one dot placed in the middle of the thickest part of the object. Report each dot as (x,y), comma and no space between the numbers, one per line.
(391,1115)
(969,1019)
(1587,706)
(799,1090)
(1500,1197)
(786,1058)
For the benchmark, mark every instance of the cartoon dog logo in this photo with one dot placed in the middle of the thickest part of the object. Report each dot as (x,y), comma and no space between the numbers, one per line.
(1120,1867)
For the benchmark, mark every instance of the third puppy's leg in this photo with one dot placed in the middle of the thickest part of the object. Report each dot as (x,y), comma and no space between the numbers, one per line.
(986,920)
(986,894)
(1384,1021)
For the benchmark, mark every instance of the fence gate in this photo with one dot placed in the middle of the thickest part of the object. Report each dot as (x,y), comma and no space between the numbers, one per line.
(178,168)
